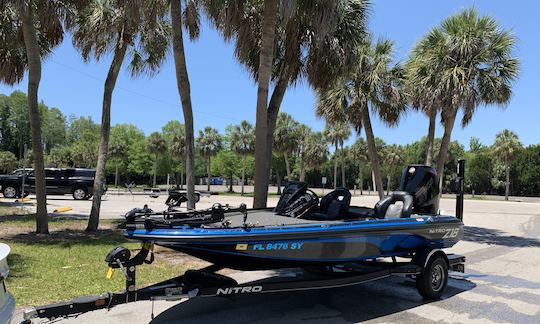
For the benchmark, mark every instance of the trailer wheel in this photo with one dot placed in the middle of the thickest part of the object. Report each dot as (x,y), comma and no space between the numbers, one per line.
(432,282)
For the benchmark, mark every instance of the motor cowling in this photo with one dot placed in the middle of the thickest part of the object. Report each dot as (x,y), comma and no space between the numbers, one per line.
(421,182)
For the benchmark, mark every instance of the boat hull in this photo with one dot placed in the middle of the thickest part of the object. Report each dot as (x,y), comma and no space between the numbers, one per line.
(308,245)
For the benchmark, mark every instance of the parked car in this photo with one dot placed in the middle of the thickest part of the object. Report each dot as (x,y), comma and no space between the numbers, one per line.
(77,182)
(7,302)
(216,181)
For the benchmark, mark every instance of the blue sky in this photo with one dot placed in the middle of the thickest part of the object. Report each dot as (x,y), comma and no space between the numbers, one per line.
(224,93)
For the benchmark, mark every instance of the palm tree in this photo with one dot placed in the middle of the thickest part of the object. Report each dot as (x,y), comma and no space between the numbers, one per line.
(316,150)
(393,155)
(177,149)
(29,30)
(303,133)
(372,82)
(242,141)
(118,152)
(337,133)
(505,149)
(191,20)
(467,62)
(286,139)
(157,146)
(174,133)
(138,28)
(311,39)
(209,143)
(422,98)
(359,153)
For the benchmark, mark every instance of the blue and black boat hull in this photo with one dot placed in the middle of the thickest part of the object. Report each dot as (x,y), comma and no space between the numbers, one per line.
(307,245)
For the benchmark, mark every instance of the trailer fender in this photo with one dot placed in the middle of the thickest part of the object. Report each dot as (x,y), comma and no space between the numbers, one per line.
(422,257)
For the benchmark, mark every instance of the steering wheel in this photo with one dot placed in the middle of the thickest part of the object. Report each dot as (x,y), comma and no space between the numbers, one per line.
(297,194)
(313,195)
(304,204)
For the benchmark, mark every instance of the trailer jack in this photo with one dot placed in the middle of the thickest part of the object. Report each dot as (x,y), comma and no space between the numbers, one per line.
(117,258)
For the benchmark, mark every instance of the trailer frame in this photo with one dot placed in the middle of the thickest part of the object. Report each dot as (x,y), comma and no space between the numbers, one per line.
(206,282)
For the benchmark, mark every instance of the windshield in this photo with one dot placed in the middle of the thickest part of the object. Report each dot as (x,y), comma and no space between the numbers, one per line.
(20,171)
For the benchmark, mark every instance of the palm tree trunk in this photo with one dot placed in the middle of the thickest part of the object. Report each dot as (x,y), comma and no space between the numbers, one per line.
(34,77)
(181,179)
(372,151)
(431,136)
(273,110)
(507,189)
(445,144)
(155,172)
(302,169)
(184,90)
(230,182)
(388,184)
(266,56)
(343,181)
(278,180)
(99,182)
(361,180)
(335,166)
(116,175)
(209,173)
(243,173)
(287,165)
(373,180)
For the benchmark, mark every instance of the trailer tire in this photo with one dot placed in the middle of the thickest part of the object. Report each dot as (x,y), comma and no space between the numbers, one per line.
(434,279)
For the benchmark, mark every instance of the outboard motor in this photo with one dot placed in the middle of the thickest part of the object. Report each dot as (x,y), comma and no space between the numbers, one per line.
(421,182)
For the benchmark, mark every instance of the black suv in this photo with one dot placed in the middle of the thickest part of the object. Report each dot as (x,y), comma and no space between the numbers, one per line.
(77,182)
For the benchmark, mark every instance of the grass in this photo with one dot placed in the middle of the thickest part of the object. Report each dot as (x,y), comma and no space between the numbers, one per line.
(69,262)
(8,210)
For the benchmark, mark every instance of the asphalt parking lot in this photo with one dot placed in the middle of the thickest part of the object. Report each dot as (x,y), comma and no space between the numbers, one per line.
(501,282)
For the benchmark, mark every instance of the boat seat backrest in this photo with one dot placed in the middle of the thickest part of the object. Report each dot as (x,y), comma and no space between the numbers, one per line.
(383,205)
(335,203)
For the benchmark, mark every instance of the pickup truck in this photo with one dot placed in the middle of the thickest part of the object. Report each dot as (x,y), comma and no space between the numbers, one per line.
(77,182)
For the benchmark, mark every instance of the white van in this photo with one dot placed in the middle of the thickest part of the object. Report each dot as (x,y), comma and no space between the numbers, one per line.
(7,303)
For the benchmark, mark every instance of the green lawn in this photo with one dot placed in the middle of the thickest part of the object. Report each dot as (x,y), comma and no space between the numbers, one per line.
(69,262)
(8,210)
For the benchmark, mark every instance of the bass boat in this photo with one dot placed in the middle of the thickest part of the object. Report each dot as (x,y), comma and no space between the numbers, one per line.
(303,231)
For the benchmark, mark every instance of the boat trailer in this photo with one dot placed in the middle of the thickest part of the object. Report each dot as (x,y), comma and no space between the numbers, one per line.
(207,283)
